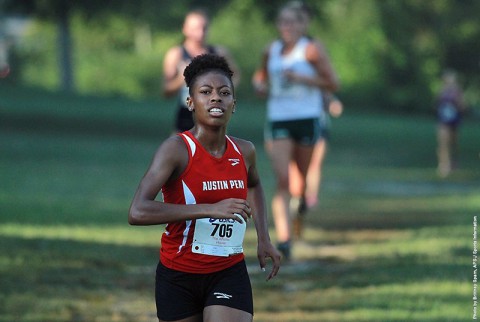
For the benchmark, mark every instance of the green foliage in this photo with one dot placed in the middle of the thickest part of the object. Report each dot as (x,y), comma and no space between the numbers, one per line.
(37,56)
(426,37)
(387,53)
(112,63)
(246,41)
(354,42)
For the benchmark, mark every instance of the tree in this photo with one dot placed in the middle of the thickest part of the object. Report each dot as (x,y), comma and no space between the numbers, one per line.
(426,37)
(157,13)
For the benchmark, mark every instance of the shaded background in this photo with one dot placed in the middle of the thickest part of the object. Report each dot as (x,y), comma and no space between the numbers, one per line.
(388,53)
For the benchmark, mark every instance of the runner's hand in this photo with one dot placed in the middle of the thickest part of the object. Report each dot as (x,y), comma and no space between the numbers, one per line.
(230,208)
(267,250)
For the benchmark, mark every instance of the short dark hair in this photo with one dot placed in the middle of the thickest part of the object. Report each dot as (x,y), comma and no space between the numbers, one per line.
(302,11)
(206,63)
(198,11)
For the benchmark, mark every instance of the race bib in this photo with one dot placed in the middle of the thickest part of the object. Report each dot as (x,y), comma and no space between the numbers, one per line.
(218,237)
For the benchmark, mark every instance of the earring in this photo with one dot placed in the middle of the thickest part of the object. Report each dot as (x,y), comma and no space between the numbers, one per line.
(190,108)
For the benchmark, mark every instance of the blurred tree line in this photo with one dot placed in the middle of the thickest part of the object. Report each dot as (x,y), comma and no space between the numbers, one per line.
(388,53)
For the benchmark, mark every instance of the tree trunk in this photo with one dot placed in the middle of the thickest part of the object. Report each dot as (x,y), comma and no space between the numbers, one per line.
(65,48)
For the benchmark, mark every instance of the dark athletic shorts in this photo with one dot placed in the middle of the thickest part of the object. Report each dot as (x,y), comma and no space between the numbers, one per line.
(184,119)
(304,132)
(448,114)
(179,295)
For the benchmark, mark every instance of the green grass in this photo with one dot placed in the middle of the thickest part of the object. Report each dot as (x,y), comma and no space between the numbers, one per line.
(389,242)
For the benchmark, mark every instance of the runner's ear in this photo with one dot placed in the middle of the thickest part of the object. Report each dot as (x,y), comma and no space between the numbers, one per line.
(190,104)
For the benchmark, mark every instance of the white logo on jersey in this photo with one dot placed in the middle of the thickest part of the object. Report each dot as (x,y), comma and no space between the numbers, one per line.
(234,161)
(222,184)
(222,295)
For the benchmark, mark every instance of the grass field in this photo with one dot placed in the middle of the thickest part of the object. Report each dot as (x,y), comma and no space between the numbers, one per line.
(389,242)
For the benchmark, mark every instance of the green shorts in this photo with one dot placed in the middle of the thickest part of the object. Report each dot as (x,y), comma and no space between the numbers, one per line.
(304,132)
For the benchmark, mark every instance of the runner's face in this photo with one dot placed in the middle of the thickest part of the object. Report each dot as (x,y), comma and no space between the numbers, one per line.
(195,28)
(212,99)
(290,26)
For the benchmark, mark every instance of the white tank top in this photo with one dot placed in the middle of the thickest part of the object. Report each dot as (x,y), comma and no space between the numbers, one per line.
(291,101)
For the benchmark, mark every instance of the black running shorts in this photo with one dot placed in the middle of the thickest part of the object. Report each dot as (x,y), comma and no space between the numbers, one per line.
(304,132)
(183,119)
(179,295)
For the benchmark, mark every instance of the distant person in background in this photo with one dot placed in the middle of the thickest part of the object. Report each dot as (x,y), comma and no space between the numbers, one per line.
(449,107)
(195,30)
(4,66)
(293,74)
(301,202)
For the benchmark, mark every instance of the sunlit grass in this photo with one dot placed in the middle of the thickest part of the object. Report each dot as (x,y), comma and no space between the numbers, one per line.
(115,234)
(424,301)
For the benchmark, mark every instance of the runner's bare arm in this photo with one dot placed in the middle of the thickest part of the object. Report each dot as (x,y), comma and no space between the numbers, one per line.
(172,72)
(256,199)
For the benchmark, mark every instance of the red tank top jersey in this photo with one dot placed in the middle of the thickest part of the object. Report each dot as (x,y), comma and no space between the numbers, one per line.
(206,180)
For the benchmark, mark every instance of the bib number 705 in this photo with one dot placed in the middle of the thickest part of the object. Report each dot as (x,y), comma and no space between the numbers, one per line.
(223,230)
